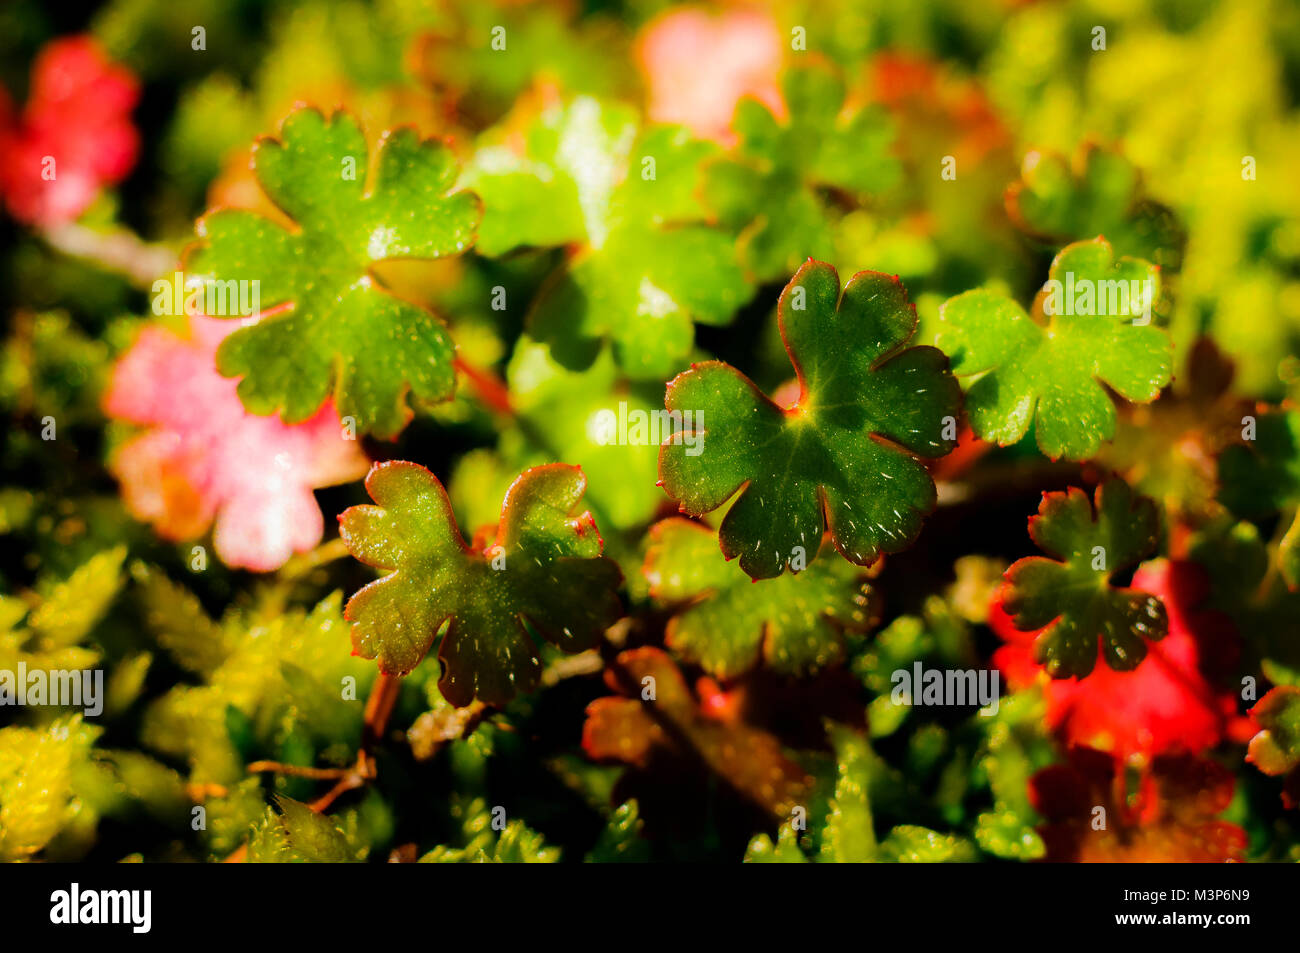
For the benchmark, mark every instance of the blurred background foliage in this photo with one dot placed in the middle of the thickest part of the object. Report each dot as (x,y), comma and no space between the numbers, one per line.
(211,669)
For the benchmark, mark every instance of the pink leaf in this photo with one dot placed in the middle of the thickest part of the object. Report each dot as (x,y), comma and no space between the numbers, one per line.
(206,458)
(698,66)
(73,137)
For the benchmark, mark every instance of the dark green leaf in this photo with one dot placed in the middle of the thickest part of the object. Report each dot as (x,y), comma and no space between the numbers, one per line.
(844,457)
(1070,597)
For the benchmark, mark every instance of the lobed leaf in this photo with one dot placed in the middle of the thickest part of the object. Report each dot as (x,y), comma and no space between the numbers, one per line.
(844,457)
(726,623)
(1048,369)
(774,189)
(327,323)
(644,265)
(1070,597)
(541,575)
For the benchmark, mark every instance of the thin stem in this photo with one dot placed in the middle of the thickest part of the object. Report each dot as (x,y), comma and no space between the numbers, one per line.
(379,708)
(297,771)
(116,249)
(489,388)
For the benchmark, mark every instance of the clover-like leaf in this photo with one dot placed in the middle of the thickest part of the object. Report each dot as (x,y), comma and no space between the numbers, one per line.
(1048,369)
(644,264)
(327,324)
(1070,597)
(776,189)
(844,457)
(1263,476)
(541,573)
(726,622)
(1099,193)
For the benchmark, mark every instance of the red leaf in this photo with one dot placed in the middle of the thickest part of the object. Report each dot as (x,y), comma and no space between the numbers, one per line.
(206,458)
(1171,819)
(1171,701)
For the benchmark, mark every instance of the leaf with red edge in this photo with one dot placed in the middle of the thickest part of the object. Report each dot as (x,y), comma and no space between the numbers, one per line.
(1070,598)
(540,575)
(845,456)
(1172,819)
(657,710)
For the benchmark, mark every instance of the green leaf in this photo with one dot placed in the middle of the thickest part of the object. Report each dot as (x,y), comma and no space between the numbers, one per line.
(542,573)
(72,607)
(1263,476)
(1016,744)
(1100,193)
(726,621)
(850,835)
(180,625)
(62,618)
(328,326)
(1070,597)
(776,188)
(845,454)
(939,636)
(560,416)
(910,844)
(257,699)
(644,265)
(37,769)
(1005,834)
(1275,749)
(299,835)
(1048,369)
(847,831)
(786,850)
(621,842)
(485,843)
